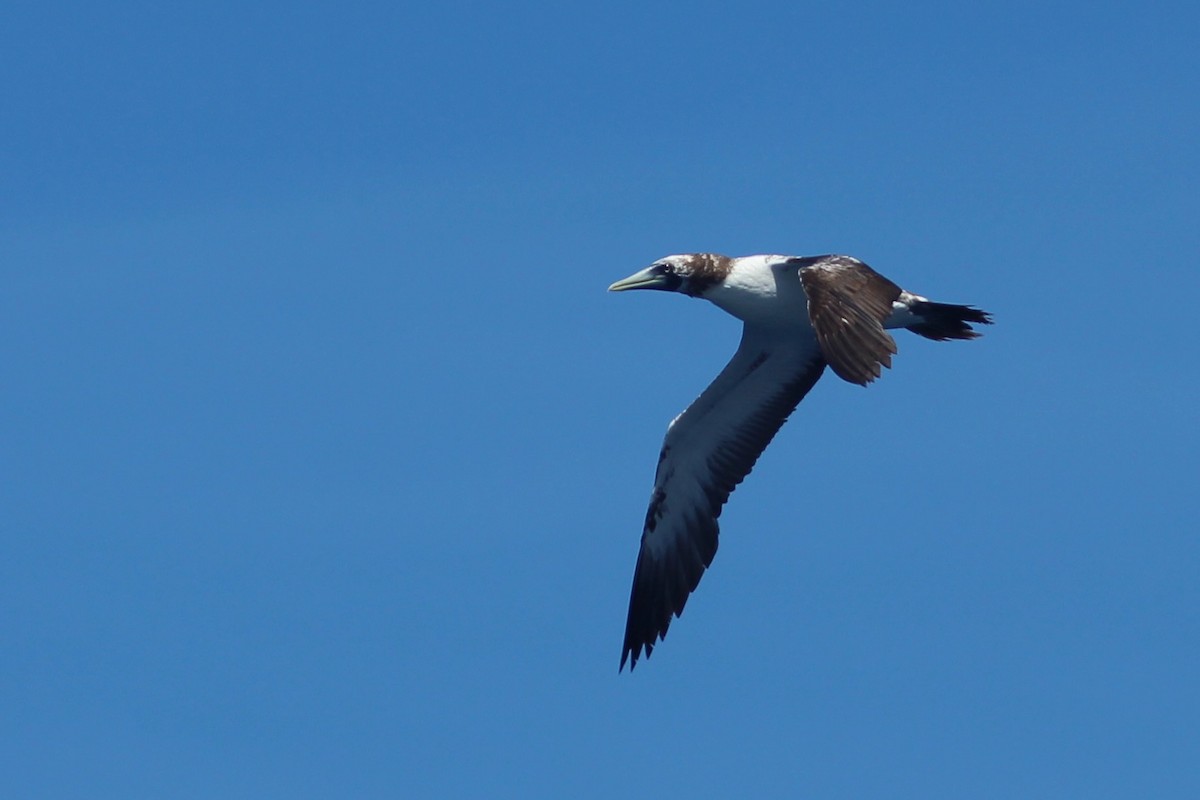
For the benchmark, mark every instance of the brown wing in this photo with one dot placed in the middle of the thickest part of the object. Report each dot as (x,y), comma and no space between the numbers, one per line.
(847,304)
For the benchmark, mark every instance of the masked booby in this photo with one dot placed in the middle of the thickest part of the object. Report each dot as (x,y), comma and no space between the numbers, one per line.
(800,315)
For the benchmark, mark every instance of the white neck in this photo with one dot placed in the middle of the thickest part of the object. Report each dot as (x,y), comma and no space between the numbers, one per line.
(762,290)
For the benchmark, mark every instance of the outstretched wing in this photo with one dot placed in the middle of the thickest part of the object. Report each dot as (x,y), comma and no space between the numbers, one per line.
(708,450)
(847,304)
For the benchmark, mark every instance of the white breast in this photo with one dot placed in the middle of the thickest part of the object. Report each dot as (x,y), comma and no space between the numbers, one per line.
(762,290)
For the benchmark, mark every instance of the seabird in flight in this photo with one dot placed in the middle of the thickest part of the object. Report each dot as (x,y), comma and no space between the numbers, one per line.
(800,314)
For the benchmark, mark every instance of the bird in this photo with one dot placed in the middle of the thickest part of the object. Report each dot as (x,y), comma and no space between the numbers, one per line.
(800,314)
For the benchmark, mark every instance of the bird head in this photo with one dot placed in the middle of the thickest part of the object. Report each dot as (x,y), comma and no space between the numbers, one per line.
(688,274)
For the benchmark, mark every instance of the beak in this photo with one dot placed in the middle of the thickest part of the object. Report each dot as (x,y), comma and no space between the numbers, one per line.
(648,278)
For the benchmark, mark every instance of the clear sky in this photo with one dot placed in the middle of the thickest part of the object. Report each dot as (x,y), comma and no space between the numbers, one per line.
(324,452)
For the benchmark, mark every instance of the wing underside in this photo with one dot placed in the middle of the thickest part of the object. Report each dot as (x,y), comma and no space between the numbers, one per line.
(708,450)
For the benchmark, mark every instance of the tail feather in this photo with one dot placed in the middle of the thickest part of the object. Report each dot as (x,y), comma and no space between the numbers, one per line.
(943,321)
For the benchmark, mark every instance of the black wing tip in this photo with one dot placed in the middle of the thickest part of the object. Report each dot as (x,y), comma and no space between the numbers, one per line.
(641,635)
(661,589)
(631,654)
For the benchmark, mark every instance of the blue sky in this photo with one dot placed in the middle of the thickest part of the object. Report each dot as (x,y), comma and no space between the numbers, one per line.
(326,452)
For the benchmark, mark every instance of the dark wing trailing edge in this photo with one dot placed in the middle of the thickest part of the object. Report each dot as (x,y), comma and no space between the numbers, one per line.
(847,304)
(708,450)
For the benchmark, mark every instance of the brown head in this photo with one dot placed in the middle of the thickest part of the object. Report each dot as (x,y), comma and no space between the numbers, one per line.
(689,274)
